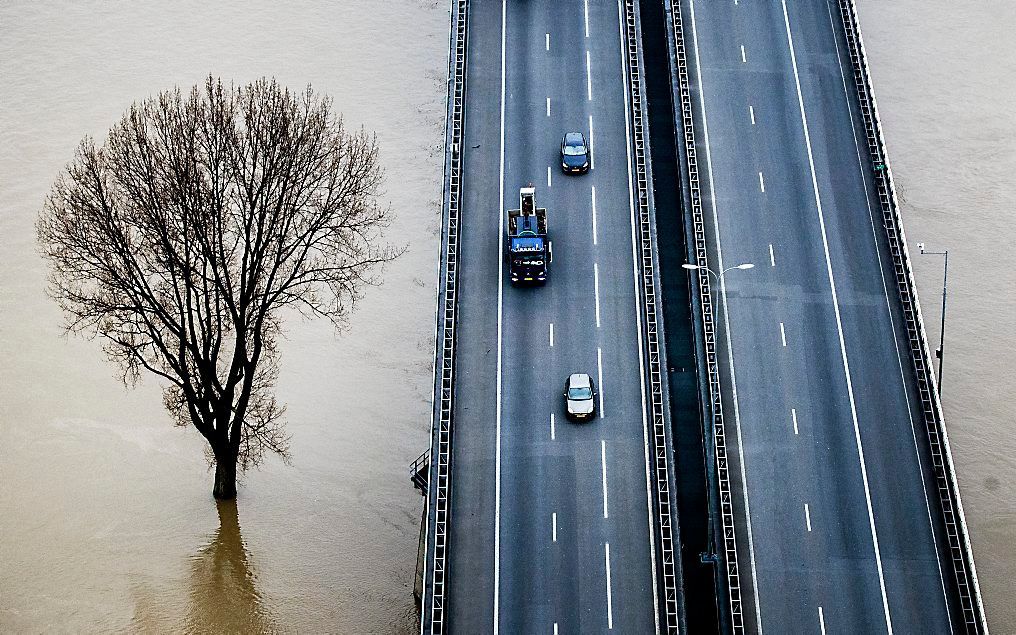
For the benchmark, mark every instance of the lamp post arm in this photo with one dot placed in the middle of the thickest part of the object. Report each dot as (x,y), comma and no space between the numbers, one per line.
(941,341)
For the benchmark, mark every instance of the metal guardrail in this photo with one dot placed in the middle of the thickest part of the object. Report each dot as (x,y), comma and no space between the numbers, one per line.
(961,556)
(684,113)
(432,606)
(646,246)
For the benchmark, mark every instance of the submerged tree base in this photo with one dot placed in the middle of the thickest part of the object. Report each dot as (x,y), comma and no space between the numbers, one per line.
(225,480)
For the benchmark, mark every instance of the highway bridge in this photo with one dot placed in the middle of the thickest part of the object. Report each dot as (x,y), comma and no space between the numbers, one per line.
(833,505)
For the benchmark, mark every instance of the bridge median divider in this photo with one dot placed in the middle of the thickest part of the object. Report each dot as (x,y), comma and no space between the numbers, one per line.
(703,308)
(670,598)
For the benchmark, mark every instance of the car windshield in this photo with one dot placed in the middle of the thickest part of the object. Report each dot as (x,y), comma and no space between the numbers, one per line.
(579,394)
(574,151)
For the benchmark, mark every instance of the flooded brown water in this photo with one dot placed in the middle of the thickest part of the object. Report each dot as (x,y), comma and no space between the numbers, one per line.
(945,78)
(106,514)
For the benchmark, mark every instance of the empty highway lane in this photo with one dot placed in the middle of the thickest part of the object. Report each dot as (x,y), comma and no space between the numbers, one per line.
(836,531)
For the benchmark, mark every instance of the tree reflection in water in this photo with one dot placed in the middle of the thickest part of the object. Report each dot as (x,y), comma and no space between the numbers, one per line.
(223,592)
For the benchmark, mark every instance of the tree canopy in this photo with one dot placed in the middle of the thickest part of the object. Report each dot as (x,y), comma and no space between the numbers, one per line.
(180,240)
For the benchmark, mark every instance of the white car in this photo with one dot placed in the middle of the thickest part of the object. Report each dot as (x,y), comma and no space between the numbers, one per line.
(580,397)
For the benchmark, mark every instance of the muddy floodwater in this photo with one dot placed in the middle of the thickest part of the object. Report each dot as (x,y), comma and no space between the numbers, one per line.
(106,518)
(106,515)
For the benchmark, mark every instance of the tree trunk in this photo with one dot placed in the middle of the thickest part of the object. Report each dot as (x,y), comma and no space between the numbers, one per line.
(225,477)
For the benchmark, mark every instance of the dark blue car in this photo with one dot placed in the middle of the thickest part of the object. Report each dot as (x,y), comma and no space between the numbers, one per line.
(574,154)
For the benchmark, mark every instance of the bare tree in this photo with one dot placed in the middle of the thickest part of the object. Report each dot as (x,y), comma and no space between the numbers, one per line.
(182,238)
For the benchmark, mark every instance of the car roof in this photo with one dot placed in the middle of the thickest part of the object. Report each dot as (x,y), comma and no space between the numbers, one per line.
(574,138)
(579,380)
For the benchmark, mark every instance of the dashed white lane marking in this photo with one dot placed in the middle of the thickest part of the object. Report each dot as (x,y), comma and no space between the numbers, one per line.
(743,58)
(555,628)
(762,182)
(751,112)
(589,79)
(552,432)
(821,620)
(553,521)
(551,333)
(839,324)
(548,176)
(807,516)
(610,604)
(548,41)
(592,155)
(585,10)
(603,467)
(596,291)
(772,256)
(783,334)
(793,415)
(548,106)
(599,376)
(593,195)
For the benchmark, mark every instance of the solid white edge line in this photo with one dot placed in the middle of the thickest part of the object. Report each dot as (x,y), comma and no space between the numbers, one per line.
(593,198)
(610,603)
(553,521)
(599,376)
(596,292)
(839,323)
(726,327)
(603,469)
(892,324)
(500,307)
(807,516)
(589,79)
(553,435)
(638,313)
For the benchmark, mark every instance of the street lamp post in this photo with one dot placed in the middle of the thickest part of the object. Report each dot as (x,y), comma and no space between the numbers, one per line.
(743,265)
(712,556)
(940,353)
(719,276)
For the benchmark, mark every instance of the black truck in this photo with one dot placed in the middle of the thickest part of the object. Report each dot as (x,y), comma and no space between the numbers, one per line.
(528,250)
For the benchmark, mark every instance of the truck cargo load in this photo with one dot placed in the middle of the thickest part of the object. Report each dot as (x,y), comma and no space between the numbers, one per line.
(527,249)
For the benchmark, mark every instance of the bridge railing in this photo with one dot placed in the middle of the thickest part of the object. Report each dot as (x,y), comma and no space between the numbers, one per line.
(434,598)
(708,347)
(665,527)
(961,555)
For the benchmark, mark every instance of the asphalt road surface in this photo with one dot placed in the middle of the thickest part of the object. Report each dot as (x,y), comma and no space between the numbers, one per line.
(550,520)
(836,532)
